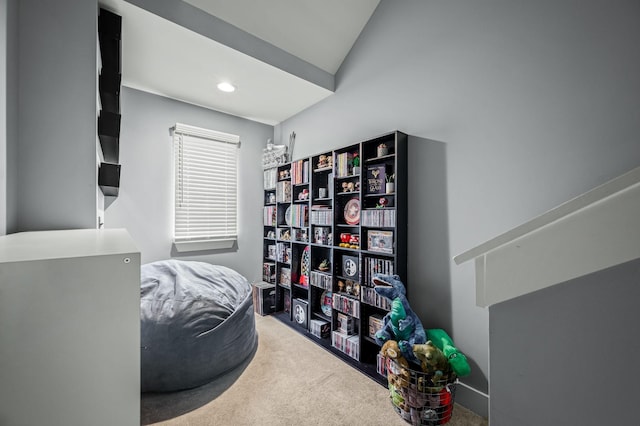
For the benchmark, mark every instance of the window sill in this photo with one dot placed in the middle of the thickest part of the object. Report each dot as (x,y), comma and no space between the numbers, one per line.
(186,246)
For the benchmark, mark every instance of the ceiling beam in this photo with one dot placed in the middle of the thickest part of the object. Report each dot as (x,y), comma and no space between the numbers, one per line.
(199,21)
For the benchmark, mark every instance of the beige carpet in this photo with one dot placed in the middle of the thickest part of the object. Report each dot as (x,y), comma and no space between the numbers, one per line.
(289,381)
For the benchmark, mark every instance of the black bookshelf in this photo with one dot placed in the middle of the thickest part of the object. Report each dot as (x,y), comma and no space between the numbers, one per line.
(345,227)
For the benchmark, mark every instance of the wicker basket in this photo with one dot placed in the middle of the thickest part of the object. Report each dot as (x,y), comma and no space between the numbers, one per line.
(421,398)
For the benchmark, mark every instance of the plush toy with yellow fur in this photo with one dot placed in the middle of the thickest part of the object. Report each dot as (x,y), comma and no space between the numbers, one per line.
(432,361)
(400,374)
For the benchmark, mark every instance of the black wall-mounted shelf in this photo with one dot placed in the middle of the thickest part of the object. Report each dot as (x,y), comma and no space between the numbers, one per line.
(109,134)
(109,89)
(109,179)
(109,83)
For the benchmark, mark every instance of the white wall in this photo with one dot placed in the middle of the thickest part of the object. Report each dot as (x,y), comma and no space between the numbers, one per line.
(56,177)
(144,205)
(521,105)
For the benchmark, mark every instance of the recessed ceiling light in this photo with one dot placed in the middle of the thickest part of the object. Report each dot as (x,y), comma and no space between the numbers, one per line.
(226,87)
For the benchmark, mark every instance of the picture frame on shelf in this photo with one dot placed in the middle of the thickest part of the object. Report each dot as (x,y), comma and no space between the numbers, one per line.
(376,179)
(380,241)
(350,267)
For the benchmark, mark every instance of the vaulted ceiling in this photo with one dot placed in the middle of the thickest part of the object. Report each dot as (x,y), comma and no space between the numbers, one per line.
(281,55)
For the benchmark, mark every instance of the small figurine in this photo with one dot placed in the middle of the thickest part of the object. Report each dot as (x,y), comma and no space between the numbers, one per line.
(354,242)
(324,265)
(323,161)
(349,287)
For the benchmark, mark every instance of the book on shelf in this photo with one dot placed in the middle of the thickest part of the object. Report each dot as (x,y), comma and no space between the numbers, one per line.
(272,252)
(286,301)
(375,324)
(321,235)
(330,184)
(350,345)
(346,324)
(319,328)
(321,280)
(375,265)
(264,298)
(347,305)
(283,252)
(370,297)
(270,215)
(283,191)
(321,215)
(344,164)
(299,216)
(270,178)
(300,172)
(269,272)
(378,217)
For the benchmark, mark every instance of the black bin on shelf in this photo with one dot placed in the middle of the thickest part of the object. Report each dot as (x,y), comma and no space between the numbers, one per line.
(109,135)
(109,88)
(109,179)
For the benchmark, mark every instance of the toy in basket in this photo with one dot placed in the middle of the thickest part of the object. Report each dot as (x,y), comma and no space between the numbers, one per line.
(422,374)
(421,398)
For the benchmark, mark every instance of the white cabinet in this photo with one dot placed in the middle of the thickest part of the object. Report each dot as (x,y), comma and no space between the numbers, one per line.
(69,328)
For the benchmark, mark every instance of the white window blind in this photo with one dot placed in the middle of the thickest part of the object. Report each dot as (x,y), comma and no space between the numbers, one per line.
(206,188)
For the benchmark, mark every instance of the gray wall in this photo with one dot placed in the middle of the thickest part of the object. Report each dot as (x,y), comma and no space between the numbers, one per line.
(568,354)
(532,103)
(8,115)
(3,117)
(56,174)
(145,203)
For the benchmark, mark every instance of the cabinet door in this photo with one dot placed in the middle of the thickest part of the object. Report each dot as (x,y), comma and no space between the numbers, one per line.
(70,341)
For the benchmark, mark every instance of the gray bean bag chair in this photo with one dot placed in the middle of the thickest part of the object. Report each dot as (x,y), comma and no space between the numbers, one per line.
(197,323)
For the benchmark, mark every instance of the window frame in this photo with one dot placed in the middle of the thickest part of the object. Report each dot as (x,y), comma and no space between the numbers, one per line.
(184,242)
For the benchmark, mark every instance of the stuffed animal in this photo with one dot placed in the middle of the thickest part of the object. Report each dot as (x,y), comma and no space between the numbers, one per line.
(401,323)
(391,350)
(432,361)
(397,399)
(416,402)
(398,373)
(456,359)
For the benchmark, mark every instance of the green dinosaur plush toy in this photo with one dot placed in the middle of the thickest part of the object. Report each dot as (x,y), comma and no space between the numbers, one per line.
(442,341)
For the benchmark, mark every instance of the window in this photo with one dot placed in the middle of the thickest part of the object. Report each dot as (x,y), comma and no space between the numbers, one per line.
(206,188)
